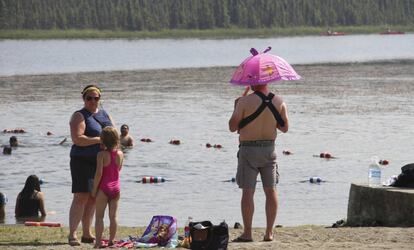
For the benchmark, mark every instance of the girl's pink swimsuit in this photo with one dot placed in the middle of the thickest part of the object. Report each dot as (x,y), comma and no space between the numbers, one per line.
(110,177)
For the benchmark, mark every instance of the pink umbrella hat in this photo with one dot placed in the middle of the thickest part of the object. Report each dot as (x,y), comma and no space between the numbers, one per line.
(262,68)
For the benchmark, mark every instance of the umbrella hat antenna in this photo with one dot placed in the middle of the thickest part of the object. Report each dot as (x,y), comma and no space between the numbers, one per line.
(267,49)
(254,52)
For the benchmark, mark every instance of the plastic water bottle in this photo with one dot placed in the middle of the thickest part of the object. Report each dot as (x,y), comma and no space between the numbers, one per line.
(374,173)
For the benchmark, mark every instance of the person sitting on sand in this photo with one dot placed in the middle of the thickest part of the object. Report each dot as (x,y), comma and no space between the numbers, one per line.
(126,139)
(30,201)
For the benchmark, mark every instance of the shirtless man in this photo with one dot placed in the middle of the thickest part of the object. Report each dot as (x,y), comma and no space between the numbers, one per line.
(126,139)
(257,152)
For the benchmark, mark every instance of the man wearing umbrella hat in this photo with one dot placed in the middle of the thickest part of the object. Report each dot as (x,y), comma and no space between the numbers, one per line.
(257,117)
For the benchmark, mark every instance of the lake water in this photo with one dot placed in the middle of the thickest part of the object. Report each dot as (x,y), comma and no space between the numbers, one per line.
(353,111)
(54,56)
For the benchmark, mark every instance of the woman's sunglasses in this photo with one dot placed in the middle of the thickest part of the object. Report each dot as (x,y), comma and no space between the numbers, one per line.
(90,98)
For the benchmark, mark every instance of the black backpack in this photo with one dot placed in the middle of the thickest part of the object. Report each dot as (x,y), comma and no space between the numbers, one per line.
(406,178)
(209,236)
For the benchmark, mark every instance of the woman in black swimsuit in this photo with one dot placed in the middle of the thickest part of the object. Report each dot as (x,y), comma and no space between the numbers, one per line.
(30,200)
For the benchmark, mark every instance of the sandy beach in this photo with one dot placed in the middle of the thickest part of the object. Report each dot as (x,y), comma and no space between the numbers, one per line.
(303,237)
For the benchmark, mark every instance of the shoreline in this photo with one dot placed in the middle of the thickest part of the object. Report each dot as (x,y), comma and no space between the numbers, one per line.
(227,68)
(300,237)
(231,33)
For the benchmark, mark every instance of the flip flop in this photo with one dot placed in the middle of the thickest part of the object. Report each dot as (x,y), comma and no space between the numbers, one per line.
(240,239)
(73,242)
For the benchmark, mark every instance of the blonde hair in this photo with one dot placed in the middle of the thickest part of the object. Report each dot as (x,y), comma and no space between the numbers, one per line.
(110,137)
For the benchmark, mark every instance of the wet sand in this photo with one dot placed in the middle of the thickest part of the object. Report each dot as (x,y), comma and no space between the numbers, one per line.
(324,79)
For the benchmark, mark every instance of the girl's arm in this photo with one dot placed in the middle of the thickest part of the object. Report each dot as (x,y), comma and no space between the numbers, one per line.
(98,173)
(41,203)
(121,159)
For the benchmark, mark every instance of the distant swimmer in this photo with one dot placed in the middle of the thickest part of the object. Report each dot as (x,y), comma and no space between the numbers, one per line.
(13,141)
(126,139)
(7,150)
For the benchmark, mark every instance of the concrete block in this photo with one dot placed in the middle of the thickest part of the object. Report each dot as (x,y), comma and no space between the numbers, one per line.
(380,206)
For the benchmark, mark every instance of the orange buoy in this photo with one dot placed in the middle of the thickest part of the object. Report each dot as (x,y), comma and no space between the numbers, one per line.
(175,142)
(325,155)
(152,179)
(383,162)
(42,224)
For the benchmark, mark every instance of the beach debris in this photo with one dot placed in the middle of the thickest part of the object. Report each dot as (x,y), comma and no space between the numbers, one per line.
(287,152)
(339,223)
(383,162)
(152,179)
(49,133)
(15,130)
(175,142)
(391,181)
(146,140)
(238,226)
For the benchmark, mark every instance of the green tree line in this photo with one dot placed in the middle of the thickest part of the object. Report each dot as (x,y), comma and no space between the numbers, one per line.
(152,15)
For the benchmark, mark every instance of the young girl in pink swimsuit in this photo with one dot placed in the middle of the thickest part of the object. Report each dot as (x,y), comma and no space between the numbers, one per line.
(106,183)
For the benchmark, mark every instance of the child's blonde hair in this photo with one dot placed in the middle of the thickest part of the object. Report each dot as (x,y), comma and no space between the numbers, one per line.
(110,137)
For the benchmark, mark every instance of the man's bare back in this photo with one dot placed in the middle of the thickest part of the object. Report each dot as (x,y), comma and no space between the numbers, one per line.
(264,127)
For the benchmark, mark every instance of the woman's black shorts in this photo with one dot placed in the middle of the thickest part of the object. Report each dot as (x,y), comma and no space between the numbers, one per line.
(82,170)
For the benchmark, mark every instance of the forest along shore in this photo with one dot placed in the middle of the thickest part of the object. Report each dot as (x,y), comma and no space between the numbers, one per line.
(216,33)
(198,16)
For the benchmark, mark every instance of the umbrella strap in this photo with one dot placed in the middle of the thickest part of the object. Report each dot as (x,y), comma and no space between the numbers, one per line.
(267,102)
